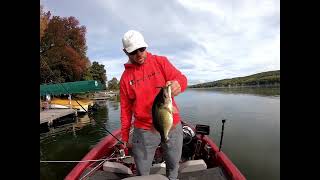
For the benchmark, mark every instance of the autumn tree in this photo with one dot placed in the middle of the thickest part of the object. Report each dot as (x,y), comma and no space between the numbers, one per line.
(63,51)
(44,20)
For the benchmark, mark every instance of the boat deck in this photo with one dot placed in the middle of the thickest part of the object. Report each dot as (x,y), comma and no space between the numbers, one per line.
(208,174)
(190,169)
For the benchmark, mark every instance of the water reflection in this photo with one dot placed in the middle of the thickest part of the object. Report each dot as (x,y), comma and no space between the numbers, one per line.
(101,103)
(114,105)
(71,141)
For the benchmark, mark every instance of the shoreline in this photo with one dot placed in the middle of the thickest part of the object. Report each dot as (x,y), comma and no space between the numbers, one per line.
(230,87)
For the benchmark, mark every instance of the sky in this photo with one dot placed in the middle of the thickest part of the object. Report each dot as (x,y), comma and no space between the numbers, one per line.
(206,40)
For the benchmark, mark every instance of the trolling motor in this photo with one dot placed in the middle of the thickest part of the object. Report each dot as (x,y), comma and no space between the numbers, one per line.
(205,130)
(202,130)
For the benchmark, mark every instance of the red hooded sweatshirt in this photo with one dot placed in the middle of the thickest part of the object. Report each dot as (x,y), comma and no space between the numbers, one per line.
(138,90)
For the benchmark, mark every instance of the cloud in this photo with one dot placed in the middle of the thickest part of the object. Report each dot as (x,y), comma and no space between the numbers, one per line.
(206,40)
(114,67)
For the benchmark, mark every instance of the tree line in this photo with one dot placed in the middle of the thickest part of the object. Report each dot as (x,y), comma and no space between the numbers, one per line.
(259,79)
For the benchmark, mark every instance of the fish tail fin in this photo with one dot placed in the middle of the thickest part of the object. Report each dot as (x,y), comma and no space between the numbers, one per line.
(167,139)
(163,138)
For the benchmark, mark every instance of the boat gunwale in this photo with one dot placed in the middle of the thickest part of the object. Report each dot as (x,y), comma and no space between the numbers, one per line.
(103,147)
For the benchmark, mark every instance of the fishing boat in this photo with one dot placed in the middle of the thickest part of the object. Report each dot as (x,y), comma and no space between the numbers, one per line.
(58,103)
(201,159)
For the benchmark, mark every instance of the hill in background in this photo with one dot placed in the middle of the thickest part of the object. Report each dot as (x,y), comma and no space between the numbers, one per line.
(269,78)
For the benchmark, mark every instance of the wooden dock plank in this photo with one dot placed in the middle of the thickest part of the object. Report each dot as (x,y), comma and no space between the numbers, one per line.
(52,114)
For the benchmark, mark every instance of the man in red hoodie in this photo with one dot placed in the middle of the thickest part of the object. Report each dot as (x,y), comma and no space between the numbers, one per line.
(143,73)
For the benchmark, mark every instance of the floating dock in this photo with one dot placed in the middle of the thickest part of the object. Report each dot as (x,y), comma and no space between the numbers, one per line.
(103,95)
(100,98)
(48,116)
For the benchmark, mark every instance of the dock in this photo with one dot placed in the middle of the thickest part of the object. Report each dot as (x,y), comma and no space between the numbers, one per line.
(48,116)
(100,98)
(104,95)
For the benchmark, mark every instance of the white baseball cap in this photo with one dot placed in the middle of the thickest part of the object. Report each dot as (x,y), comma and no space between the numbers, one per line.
(133,40)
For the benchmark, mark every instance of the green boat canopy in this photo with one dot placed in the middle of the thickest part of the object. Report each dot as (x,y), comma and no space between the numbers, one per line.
(71,87)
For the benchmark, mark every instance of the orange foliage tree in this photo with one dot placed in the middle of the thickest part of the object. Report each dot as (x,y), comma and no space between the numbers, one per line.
(62,50)
(44,20)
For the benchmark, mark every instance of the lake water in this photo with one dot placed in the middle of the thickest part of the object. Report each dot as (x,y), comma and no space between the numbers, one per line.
(251,136)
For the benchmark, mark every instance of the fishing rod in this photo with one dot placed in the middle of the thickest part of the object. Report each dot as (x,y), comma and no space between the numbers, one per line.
(83,161)
(52,74)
